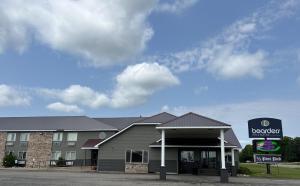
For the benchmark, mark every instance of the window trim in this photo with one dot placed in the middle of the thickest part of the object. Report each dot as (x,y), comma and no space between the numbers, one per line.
(15,137)
(19,155)
(70,152)
(60,140)
(28,135)
(72,133)
(54,157)
(142,162)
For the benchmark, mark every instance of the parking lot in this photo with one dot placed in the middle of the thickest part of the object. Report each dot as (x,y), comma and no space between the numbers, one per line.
(11,177)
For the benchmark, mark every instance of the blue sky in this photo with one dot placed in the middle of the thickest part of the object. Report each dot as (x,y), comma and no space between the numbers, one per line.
(229,60)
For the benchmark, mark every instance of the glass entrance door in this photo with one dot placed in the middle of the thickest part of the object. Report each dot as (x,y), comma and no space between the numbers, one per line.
(187,159)
(208,159)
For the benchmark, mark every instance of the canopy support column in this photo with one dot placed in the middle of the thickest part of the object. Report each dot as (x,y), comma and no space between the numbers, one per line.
(223,171)
(233,167)
(162,165)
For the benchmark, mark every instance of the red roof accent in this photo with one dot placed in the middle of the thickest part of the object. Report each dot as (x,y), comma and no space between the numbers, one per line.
(90,143)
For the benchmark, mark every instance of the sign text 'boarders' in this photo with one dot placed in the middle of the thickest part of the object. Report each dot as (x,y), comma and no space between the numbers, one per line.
(265,128)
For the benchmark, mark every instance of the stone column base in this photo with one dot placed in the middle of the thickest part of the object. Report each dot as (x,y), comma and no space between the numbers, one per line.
(233,171)
(163,175)
(223,176)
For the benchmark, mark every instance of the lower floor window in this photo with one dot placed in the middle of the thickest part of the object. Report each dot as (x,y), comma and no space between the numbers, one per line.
(55,155)
(70,155)
(136,156)
(22,155)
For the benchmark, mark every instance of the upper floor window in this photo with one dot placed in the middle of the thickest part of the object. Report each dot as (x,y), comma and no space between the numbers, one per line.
(57,136)
(24,136)
(72,136)
(11,137)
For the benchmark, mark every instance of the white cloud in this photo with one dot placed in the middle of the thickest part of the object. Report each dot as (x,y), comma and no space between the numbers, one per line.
(61,107)
(200,90)
(137,82)
(10,96)
(77,94)
(228,55)
(133,87)
(104,32)
(298,80)
(238,114)
(177,6)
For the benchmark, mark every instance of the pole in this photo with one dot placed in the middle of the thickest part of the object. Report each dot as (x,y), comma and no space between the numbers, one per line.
(268,164)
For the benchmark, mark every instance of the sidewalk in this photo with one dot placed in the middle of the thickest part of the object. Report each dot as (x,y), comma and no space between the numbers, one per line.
(86,169)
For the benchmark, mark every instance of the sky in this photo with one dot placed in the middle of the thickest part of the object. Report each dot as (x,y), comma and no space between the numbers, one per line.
(229,60)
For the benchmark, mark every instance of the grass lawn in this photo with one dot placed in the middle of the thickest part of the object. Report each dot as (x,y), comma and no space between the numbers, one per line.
(260,170)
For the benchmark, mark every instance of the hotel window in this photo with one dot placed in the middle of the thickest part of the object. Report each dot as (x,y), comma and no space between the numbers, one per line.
(11,137)
(22,155)
(57,136)
(55,155)
(70,155)
(137,156)
(24,137)
(72,136)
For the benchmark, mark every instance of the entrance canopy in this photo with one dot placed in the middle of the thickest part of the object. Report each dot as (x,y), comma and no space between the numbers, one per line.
(194,130)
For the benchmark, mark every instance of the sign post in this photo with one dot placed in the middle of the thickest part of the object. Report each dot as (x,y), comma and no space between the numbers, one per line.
(266,151)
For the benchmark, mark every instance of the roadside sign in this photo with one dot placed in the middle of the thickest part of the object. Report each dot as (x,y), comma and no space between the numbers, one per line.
(267,158)
(265,128)
(266,146)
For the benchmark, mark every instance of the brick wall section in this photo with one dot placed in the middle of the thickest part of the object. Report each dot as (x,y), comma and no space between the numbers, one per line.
(2,146)
(136,168)
(39,149)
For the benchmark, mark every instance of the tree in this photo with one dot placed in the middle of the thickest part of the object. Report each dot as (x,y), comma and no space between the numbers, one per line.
(286,148)
(246,154)
(9,160)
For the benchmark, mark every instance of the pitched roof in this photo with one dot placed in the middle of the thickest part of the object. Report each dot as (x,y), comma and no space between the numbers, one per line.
(159,118)
(120,122)
(231,138)
(193,120)
(52,123)
(90,144)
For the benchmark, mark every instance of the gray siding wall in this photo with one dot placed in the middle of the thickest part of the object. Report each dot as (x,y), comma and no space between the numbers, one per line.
(82,137)
(139,137)
(17,145)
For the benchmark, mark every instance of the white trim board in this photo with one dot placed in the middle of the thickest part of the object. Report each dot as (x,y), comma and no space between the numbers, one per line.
(121,131)
(196,127)
(192,146)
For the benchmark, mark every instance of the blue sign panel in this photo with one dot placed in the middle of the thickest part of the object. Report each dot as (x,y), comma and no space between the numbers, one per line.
(265,128)
(267,158)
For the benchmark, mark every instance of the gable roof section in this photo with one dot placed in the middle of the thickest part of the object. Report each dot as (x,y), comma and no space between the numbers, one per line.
(120,122)
(90,144)
(153,120)
(159,118)
(53,123)
(231,138)
(192,120)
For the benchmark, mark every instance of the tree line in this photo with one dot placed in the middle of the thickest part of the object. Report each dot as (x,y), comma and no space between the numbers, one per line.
(290,148)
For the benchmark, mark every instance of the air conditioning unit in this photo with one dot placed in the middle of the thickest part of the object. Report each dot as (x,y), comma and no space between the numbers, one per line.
(52,162)
(69,163)
(71,143)
(9,143)
(56,143)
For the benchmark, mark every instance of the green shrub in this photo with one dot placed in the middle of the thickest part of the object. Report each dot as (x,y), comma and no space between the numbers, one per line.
(244,170)
(61,162)
(9,160)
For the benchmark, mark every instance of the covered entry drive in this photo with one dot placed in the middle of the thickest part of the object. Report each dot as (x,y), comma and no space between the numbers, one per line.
(201,146)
